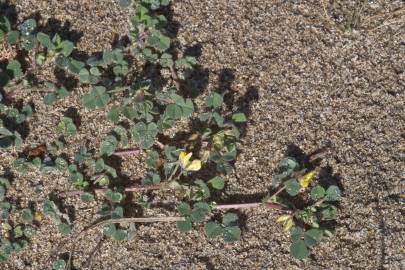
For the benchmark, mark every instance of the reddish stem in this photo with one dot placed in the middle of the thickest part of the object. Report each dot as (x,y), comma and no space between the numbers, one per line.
(251,205)
(126,152)
(238,206)
(102,190)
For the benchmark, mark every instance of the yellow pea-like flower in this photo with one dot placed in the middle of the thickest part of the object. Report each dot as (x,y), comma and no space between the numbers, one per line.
(306,179)
(288,225)
(185,163)
(37,216)
(283,218)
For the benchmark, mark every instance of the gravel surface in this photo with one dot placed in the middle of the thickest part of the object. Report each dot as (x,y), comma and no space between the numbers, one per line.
(309,74)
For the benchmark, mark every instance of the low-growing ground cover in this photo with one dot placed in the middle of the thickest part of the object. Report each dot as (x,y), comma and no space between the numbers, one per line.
(105,144)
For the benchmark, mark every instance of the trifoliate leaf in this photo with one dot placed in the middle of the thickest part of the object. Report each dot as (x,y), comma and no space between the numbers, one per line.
(214,100)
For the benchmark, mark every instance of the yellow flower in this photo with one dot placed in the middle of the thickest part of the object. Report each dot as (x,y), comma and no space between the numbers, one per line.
(287,221)
(283,218)
(306,179)
(185,163)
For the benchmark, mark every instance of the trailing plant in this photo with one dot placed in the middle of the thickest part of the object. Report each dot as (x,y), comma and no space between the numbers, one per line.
(192,164)
(16,225)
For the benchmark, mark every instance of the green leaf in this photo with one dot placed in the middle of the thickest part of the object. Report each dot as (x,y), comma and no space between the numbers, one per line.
(114,196)
(67,47)
(61,164)
(28,42)
(217,183)
(84,75)
(187,63)
(2,193)
(184,209)
(231,234)
(97,98)
(296,233)
(184,226)
(45,41)
(108,145)
(50,98)
(166,60)
(213,229)
(200,210)
(186,106)
(114,114)
(124,3)
(120,235)
(144,134)
(59,265)
(64,228)
(67,127)
(214,100)
(13,37)
(292,187)
(15,68)
(333,194)
(299,250)
(75,66)
(329,213)
(151,179)
(152,159)
(4,79)
(109,229)
(230,219)
(63,62)
(27,27)
(312,236)
(27,216)
(5,23)
(158,41)
(317,193)
(87,197)
(29,232)
(239,118)
(218,119)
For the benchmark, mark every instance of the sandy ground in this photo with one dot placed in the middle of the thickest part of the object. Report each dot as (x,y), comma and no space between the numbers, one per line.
(305,79)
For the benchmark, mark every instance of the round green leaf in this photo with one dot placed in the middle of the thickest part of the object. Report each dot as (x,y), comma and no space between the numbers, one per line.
(229,219)
(213,229)
(184,209)
(299,250)
(317,193)
(292,187)
(217,183)
(184,226)
(231,234)
(333,194)
(59,265)
(312,236)
(27,216)
(87,197)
